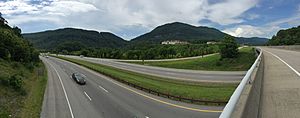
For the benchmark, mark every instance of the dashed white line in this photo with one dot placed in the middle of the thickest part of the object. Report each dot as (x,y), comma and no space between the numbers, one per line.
(285,63)
(147,117)
(69,105)
(103,89)
(87,96)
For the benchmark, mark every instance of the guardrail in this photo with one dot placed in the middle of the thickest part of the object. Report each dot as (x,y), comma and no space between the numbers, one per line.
(166,95)
(151,91)
(230,106)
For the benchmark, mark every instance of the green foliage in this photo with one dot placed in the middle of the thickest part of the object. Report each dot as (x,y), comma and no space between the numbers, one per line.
(204,91)
(21,89)
(150,51)
(228,47)
(16,82)
(180,31)
(13,47)
(286,37)
(243,62)
(71,39)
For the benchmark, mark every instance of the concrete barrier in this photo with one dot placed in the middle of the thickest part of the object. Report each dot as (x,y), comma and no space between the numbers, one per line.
(238,101)
(288,47)
(249,101)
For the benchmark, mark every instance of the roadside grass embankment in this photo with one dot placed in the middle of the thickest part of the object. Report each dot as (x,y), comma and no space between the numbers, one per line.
(244,61)
(219,92)
(21,89)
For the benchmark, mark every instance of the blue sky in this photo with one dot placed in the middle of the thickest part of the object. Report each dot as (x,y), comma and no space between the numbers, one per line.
(131,18)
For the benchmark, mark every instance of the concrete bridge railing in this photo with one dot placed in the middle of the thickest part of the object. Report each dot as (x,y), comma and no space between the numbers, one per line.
(244,102)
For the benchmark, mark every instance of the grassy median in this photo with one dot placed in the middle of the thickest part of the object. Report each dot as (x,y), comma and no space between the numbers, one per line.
(244,61)
(203,91)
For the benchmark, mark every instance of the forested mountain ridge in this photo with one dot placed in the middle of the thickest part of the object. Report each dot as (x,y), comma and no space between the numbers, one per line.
(70,39)
(74,38)
(289,36)
(180,31)
(191,34)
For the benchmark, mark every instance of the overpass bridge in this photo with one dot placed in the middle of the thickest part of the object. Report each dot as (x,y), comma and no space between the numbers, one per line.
(270,89)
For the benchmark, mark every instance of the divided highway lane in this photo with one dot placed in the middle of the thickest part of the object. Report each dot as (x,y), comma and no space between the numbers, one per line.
(179,74)
(281,84)
(103,97)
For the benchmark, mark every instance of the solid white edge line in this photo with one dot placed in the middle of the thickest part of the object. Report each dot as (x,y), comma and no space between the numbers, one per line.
(103,89)
(144,95)
(87,96)
(69,105)
(285,63)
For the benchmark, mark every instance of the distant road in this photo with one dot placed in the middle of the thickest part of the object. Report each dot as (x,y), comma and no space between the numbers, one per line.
(154,60)
(103,97)
(178,74)
(280,96)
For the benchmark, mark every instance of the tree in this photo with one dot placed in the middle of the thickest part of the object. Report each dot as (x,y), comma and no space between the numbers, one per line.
(228,47)
(2,20)
(17,31)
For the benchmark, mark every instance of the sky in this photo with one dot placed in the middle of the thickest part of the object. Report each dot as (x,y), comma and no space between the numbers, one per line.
(131,18)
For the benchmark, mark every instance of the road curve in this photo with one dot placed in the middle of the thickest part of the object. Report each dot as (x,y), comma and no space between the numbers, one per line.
(281,84)
(103,97)
(178,74)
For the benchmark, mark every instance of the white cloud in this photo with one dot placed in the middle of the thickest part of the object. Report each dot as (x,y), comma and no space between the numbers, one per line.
(252,31)
(228,12)
(117,15)
(22,11)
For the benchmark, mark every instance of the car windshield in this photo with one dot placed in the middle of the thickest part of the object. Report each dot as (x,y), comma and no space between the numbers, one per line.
(79,76)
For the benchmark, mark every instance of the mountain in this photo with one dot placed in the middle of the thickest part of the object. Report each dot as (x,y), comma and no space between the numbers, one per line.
(74,38)
(192,34)
(289,36)
(180,31)
(252,40)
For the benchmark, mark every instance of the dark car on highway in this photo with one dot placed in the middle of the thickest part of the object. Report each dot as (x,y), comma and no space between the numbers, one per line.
(79,78)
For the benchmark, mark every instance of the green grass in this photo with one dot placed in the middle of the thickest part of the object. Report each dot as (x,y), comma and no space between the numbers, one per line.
(244,61)
(27,103)
(203,91)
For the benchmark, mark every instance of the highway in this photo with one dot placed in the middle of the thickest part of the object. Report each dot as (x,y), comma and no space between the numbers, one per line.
(281,84)
(103,97)
(178,74)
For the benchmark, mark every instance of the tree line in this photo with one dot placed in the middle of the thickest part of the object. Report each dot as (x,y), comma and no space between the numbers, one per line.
(286,37)
(144,51)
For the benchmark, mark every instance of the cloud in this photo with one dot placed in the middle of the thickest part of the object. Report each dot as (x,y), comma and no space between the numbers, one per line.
(22,11)
(122,15)
(252,31)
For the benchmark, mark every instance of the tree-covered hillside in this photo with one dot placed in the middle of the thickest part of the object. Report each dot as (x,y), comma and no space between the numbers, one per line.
(191,34)
(13,47)
(180,31)
(71,39)
(22,75)
(286,37)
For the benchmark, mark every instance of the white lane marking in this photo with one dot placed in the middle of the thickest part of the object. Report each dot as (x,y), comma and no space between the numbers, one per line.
(103,89)
(69,105)
(147,117)
(87,96)
(285,63)
(144,95)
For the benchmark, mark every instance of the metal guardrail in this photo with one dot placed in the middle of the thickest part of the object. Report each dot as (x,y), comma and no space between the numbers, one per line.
(155,92)
(230,106)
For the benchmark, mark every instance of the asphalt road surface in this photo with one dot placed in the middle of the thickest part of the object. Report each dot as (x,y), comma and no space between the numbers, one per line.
(179,74)
(281,85)
(103,97)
